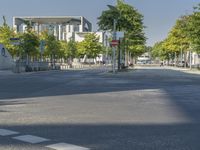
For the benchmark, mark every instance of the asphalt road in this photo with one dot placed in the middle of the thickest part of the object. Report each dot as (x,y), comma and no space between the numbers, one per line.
(145,109)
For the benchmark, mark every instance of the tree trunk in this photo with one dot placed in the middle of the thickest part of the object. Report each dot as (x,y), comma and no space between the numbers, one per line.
(84,58)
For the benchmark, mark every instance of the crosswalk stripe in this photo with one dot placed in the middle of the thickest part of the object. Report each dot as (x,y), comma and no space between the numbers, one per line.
(35,139)
(4,132)
(66,146)
(30,139)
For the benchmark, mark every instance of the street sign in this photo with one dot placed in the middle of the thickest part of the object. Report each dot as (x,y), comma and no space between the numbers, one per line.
(14,39)
(114,42)
(120,35)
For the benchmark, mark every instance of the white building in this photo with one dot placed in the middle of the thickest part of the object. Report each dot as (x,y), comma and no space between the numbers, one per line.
(103,37)
(63,27)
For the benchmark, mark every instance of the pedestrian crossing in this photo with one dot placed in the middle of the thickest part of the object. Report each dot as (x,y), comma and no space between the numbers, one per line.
(32,139)
(4,132)
(65,146)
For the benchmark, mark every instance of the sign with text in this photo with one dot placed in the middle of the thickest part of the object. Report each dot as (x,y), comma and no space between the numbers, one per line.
(120,35)
(115,42)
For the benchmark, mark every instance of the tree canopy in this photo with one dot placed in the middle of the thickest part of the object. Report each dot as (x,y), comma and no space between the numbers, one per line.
(90,46)
(129,20)
(5,34)
(193,28)
(183,36)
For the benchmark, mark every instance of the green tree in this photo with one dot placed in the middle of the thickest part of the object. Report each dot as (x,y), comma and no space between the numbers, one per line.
(130,21)
(63,51)
(72,49)
(156,49)
(160,51)
(30,44)
(5,34)
(128,18)
(52,47)
(178,40)
(193,28)
(183,36)
(68,50)
(90,46)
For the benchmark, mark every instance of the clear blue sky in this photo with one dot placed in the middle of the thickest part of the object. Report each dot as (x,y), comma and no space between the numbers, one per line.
(159,15)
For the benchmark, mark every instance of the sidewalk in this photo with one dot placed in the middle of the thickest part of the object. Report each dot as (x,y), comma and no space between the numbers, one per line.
(6,72)
(185,70)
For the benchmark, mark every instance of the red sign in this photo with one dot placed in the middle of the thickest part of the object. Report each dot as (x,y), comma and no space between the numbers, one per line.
(114,42)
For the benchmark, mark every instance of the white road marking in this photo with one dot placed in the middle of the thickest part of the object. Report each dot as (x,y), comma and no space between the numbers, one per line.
(4,132)
(65,146)
(30,139)
(35,139)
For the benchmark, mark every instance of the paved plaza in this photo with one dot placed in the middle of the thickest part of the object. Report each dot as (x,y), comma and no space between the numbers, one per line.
(149,108)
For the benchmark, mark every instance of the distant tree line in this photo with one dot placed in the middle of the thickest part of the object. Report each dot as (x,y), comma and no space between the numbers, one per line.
(183,37)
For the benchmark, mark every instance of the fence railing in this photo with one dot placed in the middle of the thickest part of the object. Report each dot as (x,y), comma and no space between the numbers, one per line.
(43,66)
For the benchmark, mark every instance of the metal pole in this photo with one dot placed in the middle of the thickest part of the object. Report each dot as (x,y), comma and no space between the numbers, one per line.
(181,53)
(190,59)
(119,57)
(125,57)
(114,47)
(175,60)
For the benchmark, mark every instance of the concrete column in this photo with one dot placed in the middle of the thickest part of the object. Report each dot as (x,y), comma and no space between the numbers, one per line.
(38,28)
(81,26)
(59,32)
(72,28)
(55,31)
(63,36)
(24,28)
(68,28)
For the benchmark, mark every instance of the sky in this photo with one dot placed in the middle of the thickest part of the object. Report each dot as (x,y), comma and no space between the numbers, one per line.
(159,15)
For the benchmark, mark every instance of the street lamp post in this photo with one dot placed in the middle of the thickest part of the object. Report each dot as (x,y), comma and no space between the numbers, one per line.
(114,38)
(190,59)
(114,47)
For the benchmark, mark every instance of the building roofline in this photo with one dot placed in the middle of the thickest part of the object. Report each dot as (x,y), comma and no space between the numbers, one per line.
(43,17)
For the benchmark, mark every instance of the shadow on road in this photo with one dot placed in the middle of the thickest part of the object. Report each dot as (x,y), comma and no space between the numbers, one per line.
(117,136)
(181,88)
